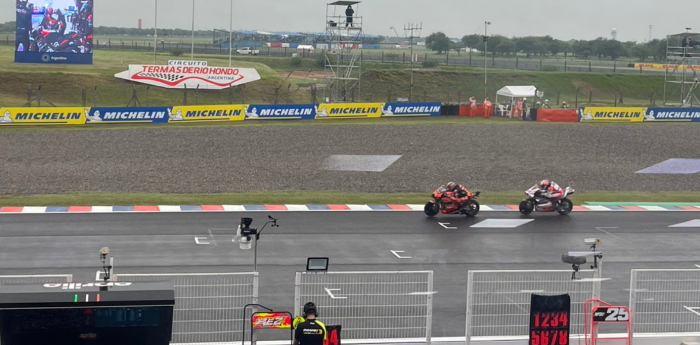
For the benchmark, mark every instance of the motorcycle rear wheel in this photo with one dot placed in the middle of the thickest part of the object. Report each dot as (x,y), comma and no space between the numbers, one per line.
(431,209)
(565,207)
(526,207)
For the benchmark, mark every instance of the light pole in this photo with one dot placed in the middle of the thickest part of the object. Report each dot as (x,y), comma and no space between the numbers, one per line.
(155,35)
(192,54)
(410,29)
(486,57)
(230,36)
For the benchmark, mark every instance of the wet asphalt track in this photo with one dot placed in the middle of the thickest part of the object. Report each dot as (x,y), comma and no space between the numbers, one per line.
(147,243)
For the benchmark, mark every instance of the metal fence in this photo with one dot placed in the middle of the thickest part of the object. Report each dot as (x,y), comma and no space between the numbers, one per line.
(36,279)
(371,305)
(498,302)
(665,301)
(208,306)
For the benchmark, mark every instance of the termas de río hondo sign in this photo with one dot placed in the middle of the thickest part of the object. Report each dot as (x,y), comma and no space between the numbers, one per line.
(189,75)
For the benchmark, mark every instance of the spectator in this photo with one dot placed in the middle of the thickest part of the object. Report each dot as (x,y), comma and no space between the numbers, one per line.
(349,12)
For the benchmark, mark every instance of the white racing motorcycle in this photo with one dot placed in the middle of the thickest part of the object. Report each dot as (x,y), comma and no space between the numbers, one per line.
(537,201)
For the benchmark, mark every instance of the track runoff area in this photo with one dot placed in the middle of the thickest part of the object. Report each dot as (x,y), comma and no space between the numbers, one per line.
(200,243)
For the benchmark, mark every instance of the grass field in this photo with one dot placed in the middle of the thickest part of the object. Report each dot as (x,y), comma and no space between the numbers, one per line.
(62,85)
(315,197)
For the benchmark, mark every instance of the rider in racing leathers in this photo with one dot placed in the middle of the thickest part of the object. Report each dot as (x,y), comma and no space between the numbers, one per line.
(458,191)
(550,191)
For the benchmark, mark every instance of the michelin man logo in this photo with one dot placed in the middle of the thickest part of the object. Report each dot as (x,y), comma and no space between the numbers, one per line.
(388,111)
(252,114)
(587,116)
(95,117)
(321,113)
(6,117)
(651,116)
(175,117)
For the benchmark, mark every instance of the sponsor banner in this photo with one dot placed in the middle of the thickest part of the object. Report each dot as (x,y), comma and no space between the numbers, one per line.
(276,112)
(611,114)
(672,115)
(207,113)
(42,116)
(272,321)
(667,66)
(411,109)
(180,76)
(349,110)
(127,115)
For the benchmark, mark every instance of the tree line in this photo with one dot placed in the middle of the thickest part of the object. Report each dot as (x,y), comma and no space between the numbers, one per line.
(546,46)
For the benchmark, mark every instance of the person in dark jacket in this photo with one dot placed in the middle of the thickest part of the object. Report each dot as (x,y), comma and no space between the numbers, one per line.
(349,12)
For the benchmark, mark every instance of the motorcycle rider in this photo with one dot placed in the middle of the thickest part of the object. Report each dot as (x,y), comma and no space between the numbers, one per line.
(459,193)
(550,191)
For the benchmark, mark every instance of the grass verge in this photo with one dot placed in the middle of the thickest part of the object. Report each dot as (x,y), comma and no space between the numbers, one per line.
(314,197)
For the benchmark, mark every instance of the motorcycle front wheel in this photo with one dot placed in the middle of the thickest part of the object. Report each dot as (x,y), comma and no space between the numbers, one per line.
(565,207)
(526,207)
(471,209)
(431,209)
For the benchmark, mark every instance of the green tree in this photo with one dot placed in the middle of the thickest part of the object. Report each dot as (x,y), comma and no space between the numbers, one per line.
(472,42)
(438,41)
(641,51)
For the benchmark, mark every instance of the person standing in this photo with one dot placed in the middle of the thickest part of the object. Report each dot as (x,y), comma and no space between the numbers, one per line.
(487,108)
(524,106)
(349,12)
(309,331)
(472,106)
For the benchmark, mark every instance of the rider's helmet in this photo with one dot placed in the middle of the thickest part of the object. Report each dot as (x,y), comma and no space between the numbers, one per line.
(451,185)
(49,11)
(544,184)
(310,308)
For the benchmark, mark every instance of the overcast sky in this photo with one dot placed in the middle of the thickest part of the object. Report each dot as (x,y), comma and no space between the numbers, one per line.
(562,19)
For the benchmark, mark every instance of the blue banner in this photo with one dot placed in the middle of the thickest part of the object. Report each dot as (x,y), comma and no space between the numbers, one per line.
(277,112)
(672,115)
(411,109)
(127,115)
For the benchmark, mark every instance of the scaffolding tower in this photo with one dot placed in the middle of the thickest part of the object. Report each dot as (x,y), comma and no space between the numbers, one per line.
(343,51)
(683,73)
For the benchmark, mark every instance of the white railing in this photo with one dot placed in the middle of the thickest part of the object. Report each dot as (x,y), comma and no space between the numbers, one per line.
(38,279)
(208,306)
(498,302)
(387,306)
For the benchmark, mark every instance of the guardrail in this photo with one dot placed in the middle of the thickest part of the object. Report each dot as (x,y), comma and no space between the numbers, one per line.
(390,306)
(498,302)
(35,279)
(208,306)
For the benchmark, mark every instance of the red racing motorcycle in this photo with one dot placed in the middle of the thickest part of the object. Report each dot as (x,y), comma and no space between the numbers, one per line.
(444,202)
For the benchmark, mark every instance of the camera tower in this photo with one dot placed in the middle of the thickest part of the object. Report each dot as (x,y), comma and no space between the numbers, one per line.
(682,78)
(344,51)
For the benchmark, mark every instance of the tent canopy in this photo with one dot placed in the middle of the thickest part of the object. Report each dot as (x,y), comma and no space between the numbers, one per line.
(517,91)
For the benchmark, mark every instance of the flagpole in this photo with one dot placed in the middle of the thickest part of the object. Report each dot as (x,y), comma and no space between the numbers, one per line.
(230,36)
(155,35)
(192,54)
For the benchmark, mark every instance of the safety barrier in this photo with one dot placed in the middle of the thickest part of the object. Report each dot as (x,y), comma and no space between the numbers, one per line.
(209,113)
(646,115)
(665,301)
(208,306)
(36,279)
(498,302)
(557,115)
(388,306)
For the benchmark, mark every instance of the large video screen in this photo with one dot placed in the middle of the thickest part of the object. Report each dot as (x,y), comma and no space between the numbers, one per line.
(54,31)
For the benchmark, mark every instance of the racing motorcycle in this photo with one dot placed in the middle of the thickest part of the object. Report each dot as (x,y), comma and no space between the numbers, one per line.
(443,202)
(536,201)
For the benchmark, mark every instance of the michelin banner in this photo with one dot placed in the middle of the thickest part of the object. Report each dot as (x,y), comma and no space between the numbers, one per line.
(411,109)
(42,116)
(280,112)
(349,110)
(207,113)
(127,115)
(672,115)
(611,114)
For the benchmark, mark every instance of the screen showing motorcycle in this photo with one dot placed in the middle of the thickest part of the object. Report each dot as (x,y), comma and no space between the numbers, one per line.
(54,31)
